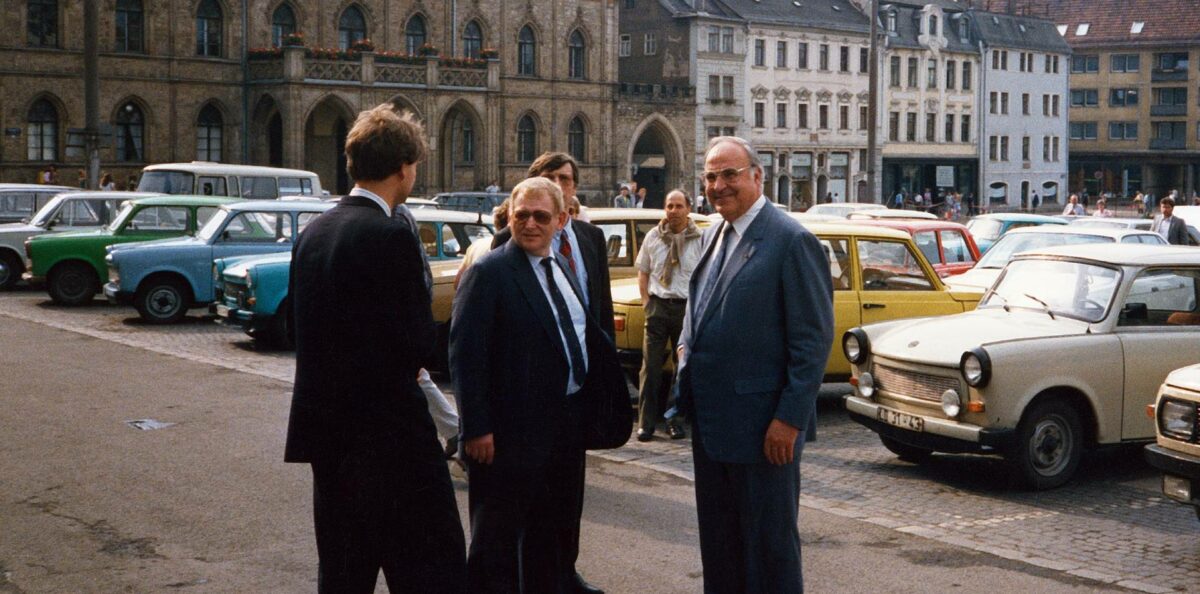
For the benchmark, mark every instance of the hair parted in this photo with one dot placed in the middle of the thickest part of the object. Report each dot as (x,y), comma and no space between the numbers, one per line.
(381,141)
(538,185)
(551,161)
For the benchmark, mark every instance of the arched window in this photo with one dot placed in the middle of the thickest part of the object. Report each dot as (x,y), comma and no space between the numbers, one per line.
(468,141)
(208,134)
(576,56)
(526,52)
(577,140)
(472,42)
(208,29)
(41,23)
(42,132)
(129,26)
(130,131)
(933,24)
(414,34)
(283,22)
(526,140)
(351,27)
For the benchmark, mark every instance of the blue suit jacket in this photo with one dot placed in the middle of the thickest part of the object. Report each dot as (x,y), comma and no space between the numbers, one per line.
(758,350)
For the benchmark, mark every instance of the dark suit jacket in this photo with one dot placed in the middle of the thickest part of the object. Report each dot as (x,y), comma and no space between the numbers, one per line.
(758,351)
(510,368)
(1177,234)
(363,329)
(595,259)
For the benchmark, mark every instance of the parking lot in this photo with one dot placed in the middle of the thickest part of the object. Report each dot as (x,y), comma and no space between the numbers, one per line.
(1110,524)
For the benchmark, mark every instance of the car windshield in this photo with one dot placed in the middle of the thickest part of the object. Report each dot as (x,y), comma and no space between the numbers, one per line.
(1015,243)
(47,211)
(985,228)
(122,216)
(1071,289)
(166,182)
(213,225)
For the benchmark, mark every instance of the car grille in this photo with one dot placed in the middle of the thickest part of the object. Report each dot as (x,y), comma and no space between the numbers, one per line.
(913,384)
(235,295)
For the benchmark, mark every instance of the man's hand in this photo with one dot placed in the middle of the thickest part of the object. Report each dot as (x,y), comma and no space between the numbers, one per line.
(780,444)
(482,449)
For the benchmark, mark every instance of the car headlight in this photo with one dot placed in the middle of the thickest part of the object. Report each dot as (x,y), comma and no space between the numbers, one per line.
(1177,419)
(855,345)
(951,403)
(249,281)
(866,385)
(976,367)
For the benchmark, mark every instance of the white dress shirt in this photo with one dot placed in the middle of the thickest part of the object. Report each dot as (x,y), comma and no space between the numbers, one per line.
(739,227)
(357,191)
(578,317)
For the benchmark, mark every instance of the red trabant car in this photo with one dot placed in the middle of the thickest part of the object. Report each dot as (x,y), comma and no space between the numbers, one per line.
(948,245)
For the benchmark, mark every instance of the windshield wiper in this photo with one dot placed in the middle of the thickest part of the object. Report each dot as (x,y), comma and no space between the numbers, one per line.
(1002,298)
(1045,306)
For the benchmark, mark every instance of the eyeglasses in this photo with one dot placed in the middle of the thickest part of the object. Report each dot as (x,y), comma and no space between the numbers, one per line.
(728,175)
(540,217)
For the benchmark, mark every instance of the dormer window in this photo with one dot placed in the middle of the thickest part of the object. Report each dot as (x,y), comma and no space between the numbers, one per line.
(1082,29)
(1062,30)
(1137,27)
(933,25)
(891,22)
(962,28)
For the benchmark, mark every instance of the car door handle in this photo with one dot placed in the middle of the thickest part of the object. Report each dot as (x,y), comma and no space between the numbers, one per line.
(873,306)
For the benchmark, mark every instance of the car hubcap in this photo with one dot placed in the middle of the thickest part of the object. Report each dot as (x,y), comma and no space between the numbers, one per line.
(73,285)
(5,271)
(163,302)
(1050,446)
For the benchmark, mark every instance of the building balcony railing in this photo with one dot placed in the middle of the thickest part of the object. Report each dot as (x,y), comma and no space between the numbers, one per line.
(1168,144)
(1168,75)
(294,65)
(1168,110)
(650,91)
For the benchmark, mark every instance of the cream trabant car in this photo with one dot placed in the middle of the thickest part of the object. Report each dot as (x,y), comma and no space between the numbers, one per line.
(1176,450)
(1064,352)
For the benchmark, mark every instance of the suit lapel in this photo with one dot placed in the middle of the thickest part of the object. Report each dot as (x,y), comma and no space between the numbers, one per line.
(590,258)
(532,289)
(694,282)
(741,255)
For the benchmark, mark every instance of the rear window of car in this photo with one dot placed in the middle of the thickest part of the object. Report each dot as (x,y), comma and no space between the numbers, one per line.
(927,242)
(954,245)
(259,188)
(160,218)
(295,186)
(167,182)
(616,242)
(16,204)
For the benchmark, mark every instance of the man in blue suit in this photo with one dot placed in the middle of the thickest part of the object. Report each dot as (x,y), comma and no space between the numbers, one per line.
(755,341)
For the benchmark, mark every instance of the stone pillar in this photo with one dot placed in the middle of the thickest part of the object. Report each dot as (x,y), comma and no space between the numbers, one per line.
(368,67)
(431,71)
(293,63)
(493,74)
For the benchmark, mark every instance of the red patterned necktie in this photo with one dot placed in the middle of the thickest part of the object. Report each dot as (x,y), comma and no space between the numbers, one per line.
(564,248)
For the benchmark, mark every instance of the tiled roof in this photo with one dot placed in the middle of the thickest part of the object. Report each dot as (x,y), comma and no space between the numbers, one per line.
(683,8)
(1111,22)
(908,28)
(1019,32)
(838,15)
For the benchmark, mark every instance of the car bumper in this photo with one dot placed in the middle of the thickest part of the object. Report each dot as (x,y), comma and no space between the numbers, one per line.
(246,320)
(115,295)
(34,281)
(1183,468)
(939,434)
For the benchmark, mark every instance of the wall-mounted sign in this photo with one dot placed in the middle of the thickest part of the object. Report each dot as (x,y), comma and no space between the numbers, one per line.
(12,132)
(945,176)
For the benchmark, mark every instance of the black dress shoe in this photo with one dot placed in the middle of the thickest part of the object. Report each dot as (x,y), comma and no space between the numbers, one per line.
(643,435)
(581,585)
(675,431)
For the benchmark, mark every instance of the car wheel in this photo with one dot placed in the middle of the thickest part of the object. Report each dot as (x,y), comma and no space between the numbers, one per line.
(11,268)
(161,301)
(1049,445)
(906,452)
(280,333)
(72,283)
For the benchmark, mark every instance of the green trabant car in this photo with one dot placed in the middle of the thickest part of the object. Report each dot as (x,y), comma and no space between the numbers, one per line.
(1176,450)
(70,265)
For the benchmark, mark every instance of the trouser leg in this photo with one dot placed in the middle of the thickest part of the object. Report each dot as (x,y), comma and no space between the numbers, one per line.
(769,505)
(674,323)
(654,344)
(721,550)
(497,501)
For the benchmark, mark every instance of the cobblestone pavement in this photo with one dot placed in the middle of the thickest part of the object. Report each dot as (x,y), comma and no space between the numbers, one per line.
(1110,525)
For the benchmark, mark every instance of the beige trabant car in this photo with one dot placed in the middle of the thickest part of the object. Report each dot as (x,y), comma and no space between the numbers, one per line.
(1064,352)
(1176,450)
(624,229)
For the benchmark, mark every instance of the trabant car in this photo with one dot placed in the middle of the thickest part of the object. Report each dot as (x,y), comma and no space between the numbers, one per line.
(947,245)
(254,290)
(163,279)
(1027,239)
(1064,353)
(249,182)
(18,202)
(624,229)
(69,211)
(72,264)
(878,274)
(842,210)
(988,228)
(1176,450)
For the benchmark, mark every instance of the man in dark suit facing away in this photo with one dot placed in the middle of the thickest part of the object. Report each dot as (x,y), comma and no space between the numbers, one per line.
(755,340)
(538,383)
(382,497)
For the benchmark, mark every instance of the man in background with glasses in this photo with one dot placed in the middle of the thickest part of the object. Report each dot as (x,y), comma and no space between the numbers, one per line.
(756,336)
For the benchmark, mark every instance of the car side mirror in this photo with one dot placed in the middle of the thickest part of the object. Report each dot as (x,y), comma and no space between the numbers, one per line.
(51,223)
(1135,312)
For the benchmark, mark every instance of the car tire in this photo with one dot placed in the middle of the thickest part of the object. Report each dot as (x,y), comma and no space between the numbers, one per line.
(1049,445)
(161,301)
(906,452)
(11,268)
(280,333)
(72,283)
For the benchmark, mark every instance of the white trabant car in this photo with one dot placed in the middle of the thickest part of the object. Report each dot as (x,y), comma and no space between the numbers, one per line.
(1176,451)
(1064,352)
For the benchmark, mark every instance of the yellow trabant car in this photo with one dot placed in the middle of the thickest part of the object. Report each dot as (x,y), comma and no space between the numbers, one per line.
(878,275)
(1176,450)
(624,229)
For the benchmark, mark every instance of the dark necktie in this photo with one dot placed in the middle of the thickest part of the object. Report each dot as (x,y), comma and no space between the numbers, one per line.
(564,248)
(565,323)
(715,266)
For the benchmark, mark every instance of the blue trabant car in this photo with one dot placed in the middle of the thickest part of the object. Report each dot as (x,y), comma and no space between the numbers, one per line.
(162,279)
(986,229)
(254,289)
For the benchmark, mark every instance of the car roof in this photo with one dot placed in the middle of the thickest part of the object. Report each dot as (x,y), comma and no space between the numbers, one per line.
(42,187)
(1102,220)
(1125,254)
(207,167)
(1113,232)
(839,228)
(911,224)
(281,205)
(184,199)
(638,214)
(107,195)
(1023,217)
(437,215)
(876,214)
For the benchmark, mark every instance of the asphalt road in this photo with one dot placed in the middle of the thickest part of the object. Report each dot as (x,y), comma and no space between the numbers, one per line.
(89,503)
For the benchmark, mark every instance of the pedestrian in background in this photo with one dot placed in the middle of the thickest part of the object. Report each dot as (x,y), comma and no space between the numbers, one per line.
(1102,210)
(106,183)
(483,245)
(1170,227)
(640,200)
(752,357)
(669,254)
(131,183)
(1073,207)
(382,497)
(82,179)
(621,200)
